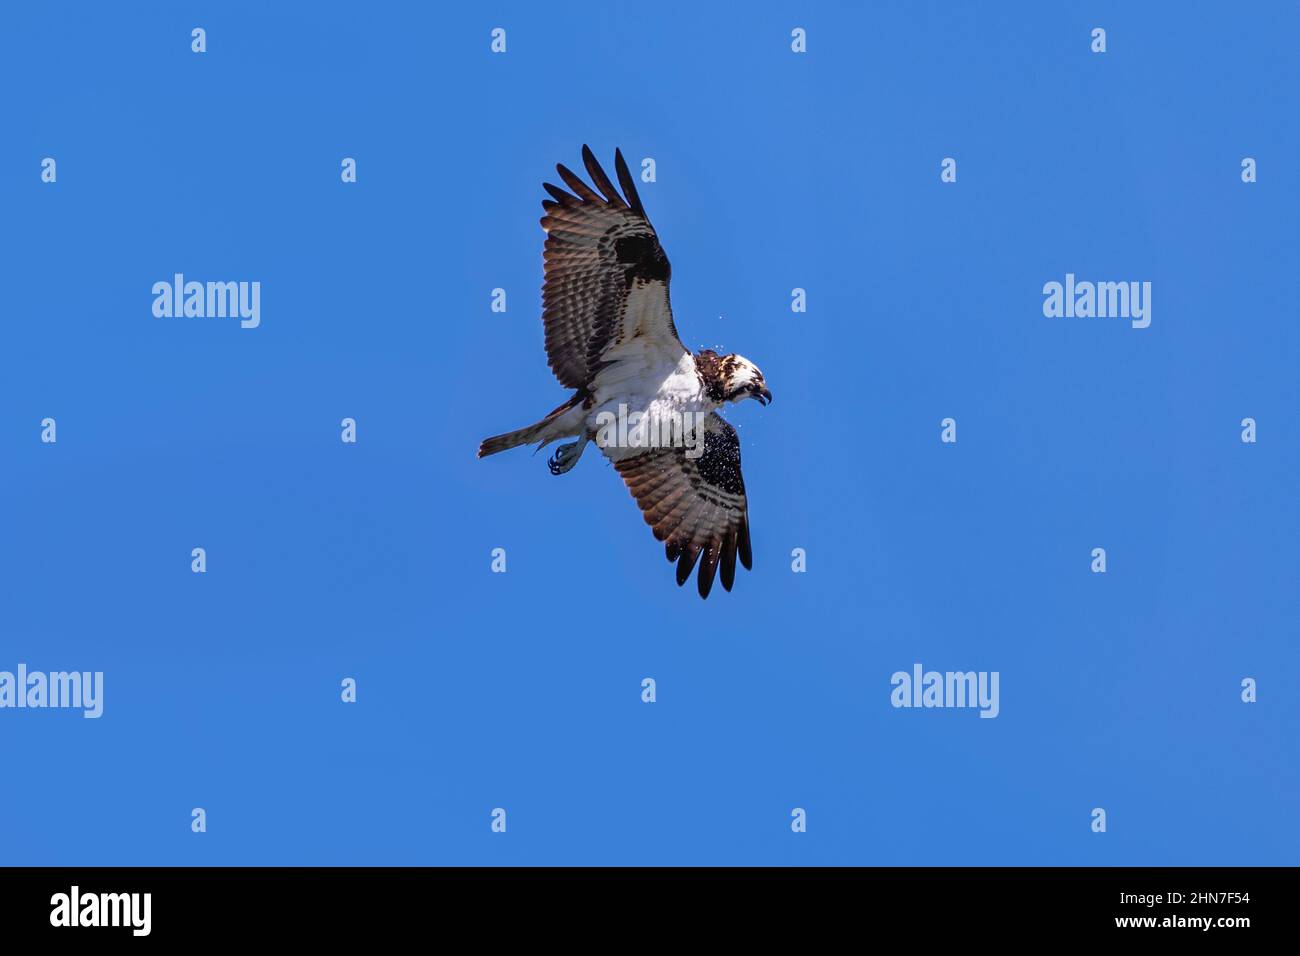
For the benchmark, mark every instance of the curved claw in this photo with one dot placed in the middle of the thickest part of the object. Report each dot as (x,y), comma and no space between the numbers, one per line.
(565,457)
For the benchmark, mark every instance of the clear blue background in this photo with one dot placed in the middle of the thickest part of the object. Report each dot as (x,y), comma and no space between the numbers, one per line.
(522,690)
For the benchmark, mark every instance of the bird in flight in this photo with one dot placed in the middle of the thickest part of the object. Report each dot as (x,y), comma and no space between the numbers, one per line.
(646,401)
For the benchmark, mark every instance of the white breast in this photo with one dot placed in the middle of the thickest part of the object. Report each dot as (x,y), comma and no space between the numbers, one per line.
(643,380)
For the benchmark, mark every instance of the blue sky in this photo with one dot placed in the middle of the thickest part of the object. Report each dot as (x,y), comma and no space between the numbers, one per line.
(522,690)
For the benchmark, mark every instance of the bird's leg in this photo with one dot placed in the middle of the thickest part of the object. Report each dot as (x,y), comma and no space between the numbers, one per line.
(566,456)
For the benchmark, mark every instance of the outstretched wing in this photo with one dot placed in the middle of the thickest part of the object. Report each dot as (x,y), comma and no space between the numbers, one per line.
(696,506)
(606,274)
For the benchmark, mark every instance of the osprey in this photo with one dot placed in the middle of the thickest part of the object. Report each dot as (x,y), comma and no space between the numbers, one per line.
(610,336)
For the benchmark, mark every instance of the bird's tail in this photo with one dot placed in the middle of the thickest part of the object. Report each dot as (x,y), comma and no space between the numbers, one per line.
(522,436)
(538,431)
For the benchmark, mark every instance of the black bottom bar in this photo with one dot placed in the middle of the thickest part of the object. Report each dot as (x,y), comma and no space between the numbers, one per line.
(370,904)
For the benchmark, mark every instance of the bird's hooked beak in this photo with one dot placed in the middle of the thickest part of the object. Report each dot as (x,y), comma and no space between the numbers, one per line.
(763,395)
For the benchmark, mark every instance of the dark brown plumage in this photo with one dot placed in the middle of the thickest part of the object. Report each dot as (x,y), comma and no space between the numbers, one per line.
(697,506)
(597,245)
(713,371)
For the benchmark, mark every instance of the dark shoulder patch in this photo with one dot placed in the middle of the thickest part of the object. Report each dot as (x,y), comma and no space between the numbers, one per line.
(642,257)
